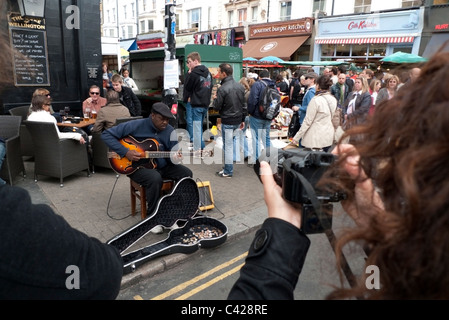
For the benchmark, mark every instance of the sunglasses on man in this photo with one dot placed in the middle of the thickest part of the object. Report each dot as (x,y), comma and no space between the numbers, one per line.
(96,93)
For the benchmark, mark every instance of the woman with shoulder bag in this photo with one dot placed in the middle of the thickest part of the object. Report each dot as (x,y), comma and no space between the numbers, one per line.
(318,130)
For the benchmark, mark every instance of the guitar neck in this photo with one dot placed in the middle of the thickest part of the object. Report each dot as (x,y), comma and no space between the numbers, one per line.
(158,154)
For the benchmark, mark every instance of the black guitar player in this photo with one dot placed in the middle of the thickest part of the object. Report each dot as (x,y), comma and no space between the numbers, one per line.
(156,127)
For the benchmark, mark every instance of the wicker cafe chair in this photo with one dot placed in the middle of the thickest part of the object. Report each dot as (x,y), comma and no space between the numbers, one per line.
(100,149)
(26,143)
(13,162)
(56,157)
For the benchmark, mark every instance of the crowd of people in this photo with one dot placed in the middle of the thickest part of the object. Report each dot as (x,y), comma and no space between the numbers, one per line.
(393,171)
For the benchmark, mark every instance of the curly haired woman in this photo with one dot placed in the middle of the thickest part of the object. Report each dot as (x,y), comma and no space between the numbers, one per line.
(395,176)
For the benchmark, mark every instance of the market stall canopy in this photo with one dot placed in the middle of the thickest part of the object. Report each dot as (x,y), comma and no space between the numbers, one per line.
(402,57)
(271,59)
(250,59)
(282,47)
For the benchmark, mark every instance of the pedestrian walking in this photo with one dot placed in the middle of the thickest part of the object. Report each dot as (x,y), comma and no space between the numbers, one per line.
(230,102)
(198,89)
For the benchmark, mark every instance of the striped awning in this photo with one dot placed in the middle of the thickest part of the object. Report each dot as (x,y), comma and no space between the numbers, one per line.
(406,39)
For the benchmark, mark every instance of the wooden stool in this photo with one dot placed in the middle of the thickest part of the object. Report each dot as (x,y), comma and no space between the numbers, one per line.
(138,191)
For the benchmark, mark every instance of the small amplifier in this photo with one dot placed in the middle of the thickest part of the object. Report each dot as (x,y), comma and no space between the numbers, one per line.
(206,198)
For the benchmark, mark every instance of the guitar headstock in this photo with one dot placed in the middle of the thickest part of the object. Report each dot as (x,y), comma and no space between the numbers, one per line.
(203,153)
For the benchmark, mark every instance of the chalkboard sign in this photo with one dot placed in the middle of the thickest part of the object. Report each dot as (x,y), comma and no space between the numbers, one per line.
(29,57)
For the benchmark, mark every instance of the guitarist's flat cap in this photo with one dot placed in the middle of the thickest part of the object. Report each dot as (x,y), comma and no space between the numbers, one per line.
(162,109)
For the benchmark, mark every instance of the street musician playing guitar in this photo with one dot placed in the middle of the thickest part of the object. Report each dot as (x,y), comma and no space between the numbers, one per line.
(152,133)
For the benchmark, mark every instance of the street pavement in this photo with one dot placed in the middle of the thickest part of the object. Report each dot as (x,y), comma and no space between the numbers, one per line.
(99,206)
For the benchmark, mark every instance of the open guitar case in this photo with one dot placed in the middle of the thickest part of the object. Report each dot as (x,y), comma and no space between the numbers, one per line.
(182,204)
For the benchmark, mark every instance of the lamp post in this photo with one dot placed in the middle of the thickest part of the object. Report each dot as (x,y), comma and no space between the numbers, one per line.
(171,74)
(32,8)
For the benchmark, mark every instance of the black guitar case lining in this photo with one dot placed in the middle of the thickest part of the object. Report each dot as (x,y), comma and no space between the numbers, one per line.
(181,204)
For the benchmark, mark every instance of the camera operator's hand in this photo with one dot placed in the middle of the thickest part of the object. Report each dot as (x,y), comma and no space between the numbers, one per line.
(277,206)
(367,201)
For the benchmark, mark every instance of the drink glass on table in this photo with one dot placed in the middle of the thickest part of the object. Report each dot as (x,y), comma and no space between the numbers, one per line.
(94,114)
(86,114)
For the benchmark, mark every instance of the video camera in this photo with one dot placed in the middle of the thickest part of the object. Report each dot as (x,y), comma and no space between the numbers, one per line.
(298,172)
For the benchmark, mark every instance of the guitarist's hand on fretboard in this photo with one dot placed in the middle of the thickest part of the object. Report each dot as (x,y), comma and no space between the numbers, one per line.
(133,155)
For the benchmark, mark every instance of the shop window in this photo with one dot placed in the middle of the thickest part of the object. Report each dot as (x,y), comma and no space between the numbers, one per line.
(286,10)
(328,50)
(359,50)
(362,6)
(436,2)
(377,50)
(343,50)
(406,49)
(242,16)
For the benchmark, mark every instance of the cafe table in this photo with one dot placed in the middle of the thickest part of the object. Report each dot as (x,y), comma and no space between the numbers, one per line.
(81,124)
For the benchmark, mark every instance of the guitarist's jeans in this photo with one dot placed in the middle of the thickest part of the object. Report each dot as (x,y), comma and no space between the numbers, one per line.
(152,179)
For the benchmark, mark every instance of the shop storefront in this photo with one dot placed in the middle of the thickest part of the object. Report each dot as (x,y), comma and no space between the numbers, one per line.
(436,30)
(288,40)
(369,36)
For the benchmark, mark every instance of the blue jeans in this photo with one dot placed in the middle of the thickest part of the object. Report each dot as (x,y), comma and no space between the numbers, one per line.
(2,157)
(229,131)
(198,115)
(189,120)
(260,131)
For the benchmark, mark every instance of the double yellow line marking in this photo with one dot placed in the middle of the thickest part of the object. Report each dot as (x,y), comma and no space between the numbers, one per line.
(199,288)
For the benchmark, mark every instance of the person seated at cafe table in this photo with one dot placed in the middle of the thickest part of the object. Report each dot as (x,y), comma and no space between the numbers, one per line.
(45,92)
(93,105)
(40,106)
(113,110)
(95,102)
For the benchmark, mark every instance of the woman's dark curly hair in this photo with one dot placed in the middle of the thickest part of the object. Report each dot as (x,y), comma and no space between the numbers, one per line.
(404,149)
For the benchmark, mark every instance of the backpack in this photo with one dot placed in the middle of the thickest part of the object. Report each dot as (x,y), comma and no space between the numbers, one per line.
(270,104)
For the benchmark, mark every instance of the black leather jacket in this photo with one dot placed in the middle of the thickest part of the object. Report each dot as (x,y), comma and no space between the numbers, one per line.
(274,262)
(230,101)
(129,99)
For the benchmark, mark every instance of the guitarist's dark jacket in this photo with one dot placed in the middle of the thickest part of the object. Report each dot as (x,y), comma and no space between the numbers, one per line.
(140,129)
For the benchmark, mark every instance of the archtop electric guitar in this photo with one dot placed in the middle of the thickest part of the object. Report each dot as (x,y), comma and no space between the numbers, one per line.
(148,148)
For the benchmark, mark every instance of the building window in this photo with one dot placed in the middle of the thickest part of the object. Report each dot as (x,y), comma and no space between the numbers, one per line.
(409,3)
(242,16)
(254,11)
(319,5)
(125,14)
(194,16)
(150,25)
(230,18)
(330,52)
(142,26)
(362,6)
(130,31)
(286,10)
